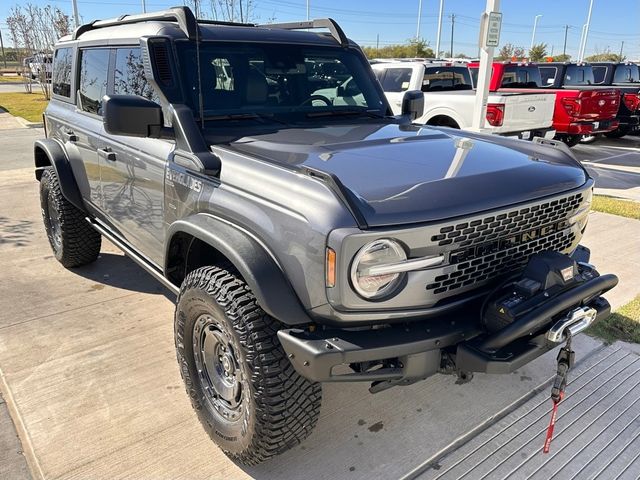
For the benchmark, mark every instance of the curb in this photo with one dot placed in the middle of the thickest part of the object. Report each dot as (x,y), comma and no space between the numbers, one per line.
(25,439)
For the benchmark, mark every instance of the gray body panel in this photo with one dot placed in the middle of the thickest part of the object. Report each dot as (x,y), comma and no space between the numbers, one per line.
(404,180)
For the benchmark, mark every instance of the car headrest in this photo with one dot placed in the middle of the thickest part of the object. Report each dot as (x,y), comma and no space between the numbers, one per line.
(257,87)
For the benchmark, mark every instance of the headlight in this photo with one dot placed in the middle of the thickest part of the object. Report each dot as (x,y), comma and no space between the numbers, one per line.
(377,253)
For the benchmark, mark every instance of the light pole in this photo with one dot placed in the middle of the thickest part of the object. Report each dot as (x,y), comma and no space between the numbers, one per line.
(439,28)
(307,10)
(419,17)
(533,36)
(76,17)
(144,6)
(583,47)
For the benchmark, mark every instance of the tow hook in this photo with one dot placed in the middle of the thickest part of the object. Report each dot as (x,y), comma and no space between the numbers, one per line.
(576,321)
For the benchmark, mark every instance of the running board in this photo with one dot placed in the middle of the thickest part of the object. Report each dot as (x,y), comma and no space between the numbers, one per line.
(135,256)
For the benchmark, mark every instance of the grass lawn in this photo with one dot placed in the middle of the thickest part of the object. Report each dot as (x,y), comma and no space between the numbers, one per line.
(623,325)
(615,206)
(26,105)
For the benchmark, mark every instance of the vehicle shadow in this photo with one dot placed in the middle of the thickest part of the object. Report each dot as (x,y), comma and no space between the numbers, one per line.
(119,271)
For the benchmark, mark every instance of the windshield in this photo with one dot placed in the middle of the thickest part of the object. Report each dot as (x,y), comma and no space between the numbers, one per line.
(268,79)
(579,75)
(516,76)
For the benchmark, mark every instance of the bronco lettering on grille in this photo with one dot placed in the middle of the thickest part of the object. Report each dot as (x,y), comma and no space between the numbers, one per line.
(505,243)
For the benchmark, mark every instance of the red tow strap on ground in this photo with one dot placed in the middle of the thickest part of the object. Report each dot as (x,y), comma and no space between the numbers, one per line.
(552,424)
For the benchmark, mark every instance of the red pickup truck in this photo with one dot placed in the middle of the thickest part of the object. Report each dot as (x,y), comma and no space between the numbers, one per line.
(577,112)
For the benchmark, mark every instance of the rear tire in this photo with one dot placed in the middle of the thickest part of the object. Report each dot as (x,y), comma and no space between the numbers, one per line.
(571,140)
(246,393)
(73,241)
(619,132)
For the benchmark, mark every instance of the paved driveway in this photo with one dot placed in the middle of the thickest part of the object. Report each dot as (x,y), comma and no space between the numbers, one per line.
(88,367)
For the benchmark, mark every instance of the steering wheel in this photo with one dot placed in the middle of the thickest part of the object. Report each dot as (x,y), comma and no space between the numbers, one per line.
(317,97)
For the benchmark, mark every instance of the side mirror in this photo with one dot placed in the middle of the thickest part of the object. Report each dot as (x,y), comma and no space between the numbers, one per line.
(413,104)
(133,116)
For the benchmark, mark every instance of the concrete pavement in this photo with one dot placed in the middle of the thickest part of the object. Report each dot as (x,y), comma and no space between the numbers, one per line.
(614,164)
(88,364)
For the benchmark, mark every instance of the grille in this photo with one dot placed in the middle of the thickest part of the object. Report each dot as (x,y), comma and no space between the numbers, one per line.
(487,248)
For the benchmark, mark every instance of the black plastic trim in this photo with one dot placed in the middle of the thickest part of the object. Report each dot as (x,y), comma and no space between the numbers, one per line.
(259,269)
(60,164)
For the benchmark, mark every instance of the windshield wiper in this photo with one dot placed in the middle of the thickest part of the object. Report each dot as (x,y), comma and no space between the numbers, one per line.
(337,113)
(247,116)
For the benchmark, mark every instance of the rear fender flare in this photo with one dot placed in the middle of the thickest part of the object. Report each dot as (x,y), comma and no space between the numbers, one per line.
(251,258)
(60,163)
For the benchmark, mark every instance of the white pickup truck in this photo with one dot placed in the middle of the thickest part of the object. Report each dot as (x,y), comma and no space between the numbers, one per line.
(449,100)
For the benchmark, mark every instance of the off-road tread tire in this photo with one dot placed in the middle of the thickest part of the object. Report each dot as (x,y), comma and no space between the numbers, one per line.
(571,140)
(286,405)
(80,242)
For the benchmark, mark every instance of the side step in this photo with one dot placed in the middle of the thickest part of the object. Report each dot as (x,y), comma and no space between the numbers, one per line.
(140,259)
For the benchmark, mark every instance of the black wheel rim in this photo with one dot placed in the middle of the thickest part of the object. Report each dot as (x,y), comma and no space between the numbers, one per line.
(218,368)
(54,223)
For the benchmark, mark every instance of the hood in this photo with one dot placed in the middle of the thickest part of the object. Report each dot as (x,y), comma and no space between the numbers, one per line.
(402,174)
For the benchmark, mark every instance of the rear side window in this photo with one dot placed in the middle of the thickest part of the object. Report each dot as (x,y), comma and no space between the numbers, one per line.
(626,74)
(396,80)
(61,78)
(548,75)
(521,77)
(94,65)
(576,75)
(446,78)
(599,74)
(129,76)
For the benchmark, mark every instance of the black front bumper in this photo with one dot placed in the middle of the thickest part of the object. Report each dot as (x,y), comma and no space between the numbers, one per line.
(403,354)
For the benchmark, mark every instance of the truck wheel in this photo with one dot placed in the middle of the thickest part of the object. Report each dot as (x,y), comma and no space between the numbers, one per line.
(246,393)
(73,241)
(619,132)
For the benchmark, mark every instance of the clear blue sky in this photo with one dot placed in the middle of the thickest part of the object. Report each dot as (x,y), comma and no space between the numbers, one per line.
(613,21)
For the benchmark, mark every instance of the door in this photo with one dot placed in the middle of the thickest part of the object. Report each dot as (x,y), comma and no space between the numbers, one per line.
(87,131)
(133,169)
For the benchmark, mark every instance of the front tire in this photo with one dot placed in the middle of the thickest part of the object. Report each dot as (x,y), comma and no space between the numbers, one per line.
(73,241)
(571,140)
(246,393)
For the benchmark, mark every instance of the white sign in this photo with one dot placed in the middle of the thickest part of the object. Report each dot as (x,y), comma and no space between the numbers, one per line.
(490,31)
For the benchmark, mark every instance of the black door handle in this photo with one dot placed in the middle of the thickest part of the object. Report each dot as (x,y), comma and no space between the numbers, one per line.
(69,136)
(107,154)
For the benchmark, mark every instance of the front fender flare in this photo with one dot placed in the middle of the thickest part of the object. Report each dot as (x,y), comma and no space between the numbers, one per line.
(250,257)
(60,163)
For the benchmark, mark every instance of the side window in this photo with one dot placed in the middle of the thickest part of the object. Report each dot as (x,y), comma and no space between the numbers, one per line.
(626,74)
(548,75)
(61,79)
(397,80)
(129,78)
(94,64)
(599,74)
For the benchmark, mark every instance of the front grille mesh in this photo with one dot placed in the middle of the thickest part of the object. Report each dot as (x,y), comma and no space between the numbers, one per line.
(491,230)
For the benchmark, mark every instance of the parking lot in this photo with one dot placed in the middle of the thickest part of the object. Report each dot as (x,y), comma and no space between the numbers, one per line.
(90,379)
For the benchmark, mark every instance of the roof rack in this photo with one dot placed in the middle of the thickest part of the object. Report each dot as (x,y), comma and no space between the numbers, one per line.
(336,32)
(188,23)
(183,15)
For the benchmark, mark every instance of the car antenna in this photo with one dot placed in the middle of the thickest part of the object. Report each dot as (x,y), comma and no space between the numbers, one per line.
(200,101)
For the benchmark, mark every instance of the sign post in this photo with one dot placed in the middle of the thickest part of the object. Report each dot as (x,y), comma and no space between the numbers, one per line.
(490,26)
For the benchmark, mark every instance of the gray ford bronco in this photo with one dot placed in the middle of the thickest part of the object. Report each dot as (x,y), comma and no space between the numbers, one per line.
(310,236)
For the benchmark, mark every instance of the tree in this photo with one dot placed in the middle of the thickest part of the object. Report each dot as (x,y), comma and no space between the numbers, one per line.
(34,30)
(509,51)
(605,56)
(242,11)
(413,48)
(563,57)
(538,52)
